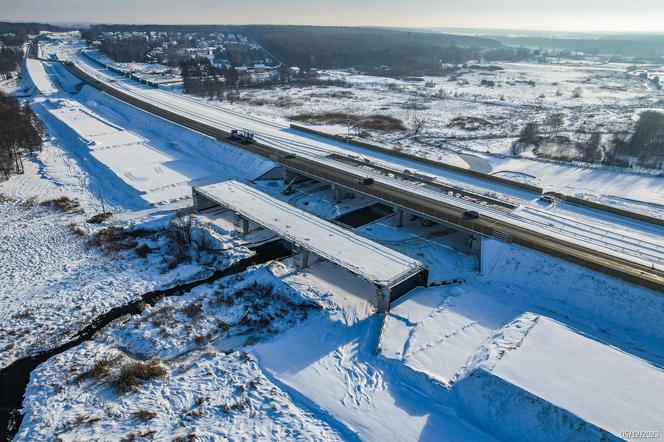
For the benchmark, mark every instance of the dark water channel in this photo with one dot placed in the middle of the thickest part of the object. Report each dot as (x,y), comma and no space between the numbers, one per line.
(14,378)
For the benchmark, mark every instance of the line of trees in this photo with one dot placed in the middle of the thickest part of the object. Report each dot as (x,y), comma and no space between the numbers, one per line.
(643,148)
(367,49)
(10,58)
(20,132)
(201,78)
(132,49)
(15,34)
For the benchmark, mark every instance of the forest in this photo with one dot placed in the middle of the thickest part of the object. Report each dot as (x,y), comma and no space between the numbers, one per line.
(642,148)
(10,58)
(371,50)
(21,31)
(20,132)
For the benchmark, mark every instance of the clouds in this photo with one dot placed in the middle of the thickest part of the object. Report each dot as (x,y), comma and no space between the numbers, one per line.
(570,15)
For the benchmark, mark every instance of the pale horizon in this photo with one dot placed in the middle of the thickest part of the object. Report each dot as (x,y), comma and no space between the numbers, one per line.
(582,16)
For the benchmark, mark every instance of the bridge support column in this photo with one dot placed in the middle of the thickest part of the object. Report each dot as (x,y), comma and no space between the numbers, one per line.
(399,217)
(480,255)
(244,225)
(338,193)
(289,176)
(304,259)
(383,300)
(475,244)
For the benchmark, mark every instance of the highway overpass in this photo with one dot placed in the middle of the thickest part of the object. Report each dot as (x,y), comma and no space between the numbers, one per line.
(618,247)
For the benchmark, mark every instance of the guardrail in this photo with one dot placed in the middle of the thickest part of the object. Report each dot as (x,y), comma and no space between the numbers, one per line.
(408,156)
(123,72)
(486,226)
(607,264)
(567,198)
(604,208)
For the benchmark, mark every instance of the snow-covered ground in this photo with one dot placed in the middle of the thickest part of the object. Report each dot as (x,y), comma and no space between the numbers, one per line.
(519,346)
(52,284)
(582,376)
(206,395)
(165,161)
(611,101)
(147,71)
(208,391)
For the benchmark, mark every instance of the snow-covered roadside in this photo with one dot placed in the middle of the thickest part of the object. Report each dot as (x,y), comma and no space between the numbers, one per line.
(207,390)
(440,330)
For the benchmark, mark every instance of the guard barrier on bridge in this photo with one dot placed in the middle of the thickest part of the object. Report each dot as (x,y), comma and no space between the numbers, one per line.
(567,198)
(122,72)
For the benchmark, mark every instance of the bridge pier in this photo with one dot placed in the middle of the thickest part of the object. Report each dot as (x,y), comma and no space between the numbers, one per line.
(383,300)
(289,175)
(304,259)
(244,224)
(338,193)
(400,214)
(480,255)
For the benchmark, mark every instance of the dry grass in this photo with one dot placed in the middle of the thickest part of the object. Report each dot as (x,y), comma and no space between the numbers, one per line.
(132,374)
(77,230)
(193,310)
(369,122)
(144,415)
(82,419)
(64,204)
(102,369)
(470,123)
(99,218)
(7,198)
(114,239)
(121,374)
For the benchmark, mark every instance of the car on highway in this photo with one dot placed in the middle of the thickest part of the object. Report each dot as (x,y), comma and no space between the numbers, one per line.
(470,215)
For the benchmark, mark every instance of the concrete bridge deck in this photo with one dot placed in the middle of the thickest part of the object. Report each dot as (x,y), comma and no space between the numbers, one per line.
(393,273)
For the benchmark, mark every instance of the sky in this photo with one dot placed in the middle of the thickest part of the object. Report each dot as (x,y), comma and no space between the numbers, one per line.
(539,15)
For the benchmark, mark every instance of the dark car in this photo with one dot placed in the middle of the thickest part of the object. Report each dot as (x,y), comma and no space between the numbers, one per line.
(470,215)
(367,181)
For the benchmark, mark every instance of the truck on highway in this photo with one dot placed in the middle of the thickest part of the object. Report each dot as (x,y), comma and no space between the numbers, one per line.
(242,136)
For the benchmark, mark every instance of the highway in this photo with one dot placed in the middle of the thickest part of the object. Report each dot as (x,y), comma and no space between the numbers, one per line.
(618,246)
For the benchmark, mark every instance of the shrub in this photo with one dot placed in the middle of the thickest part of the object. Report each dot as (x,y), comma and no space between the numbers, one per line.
(179,234)
(530,133)
(144,415)
(114,239)
(64,204)
(99,218)
(143,250)
(375,121)
(131,374)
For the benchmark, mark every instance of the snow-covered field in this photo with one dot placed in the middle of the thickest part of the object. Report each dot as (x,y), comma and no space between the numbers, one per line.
(611,101)
(53,284)
(209,391)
